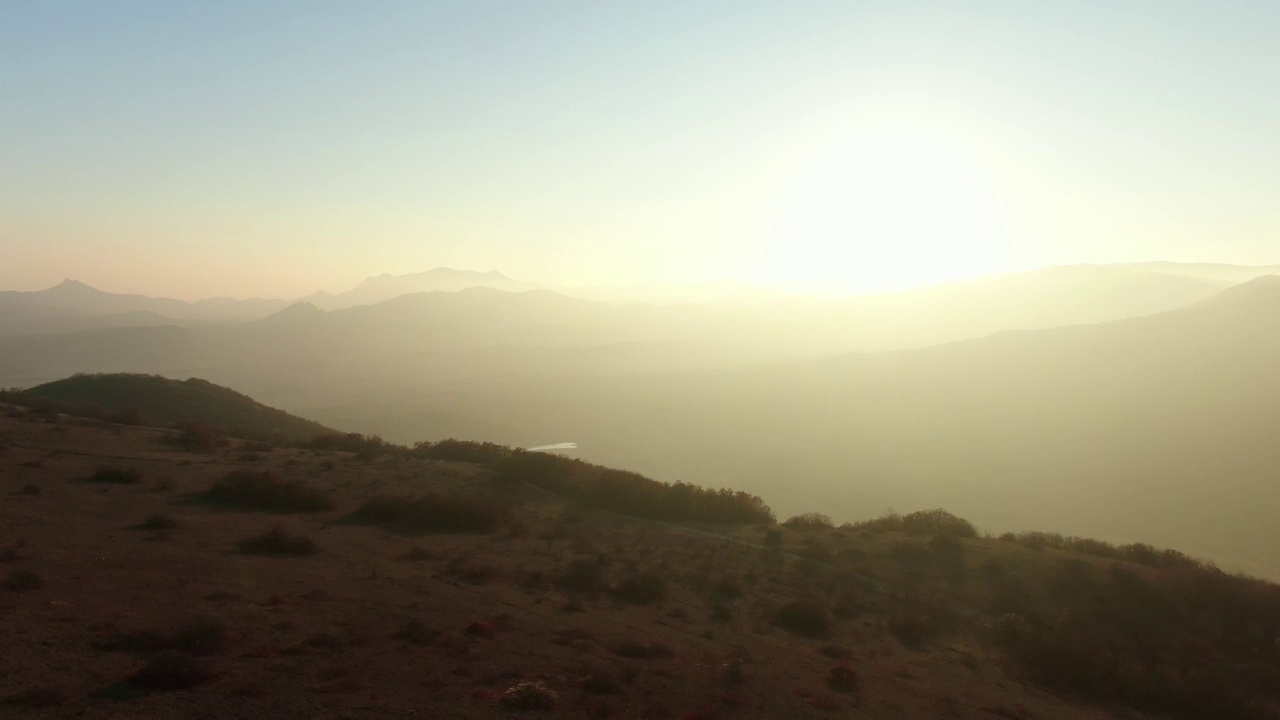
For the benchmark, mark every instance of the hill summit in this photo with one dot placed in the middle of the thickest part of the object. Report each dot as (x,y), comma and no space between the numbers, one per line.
(164,401)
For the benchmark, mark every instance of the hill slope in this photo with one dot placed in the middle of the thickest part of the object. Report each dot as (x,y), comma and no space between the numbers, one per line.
(407,585)
(169,402)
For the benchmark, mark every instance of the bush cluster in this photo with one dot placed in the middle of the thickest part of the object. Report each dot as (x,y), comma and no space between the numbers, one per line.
(633,494)
(265,490)
(431,513)
(1188,641)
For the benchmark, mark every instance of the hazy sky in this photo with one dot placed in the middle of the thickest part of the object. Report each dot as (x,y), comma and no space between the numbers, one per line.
(275,148)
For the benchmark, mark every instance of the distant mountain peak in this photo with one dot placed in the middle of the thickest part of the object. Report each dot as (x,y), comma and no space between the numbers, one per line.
(71,288)
(298,310)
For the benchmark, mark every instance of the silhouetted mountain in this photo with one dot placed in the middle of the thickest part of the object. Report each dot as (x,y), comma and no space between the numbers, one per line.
(77,298)
(173,402)
(381,288)
(301,311)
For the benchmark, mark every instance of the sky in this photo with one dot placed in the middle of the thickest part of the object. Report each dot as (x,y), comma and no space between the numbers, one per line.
(272,149)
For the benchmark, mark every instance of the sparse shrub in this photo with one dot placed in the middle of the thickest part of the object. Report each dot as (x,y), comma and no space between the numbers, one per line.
(923,522)
(637,650)
(22,581)
(530,696)
(481,453)
(162,485)
(170,670)
(721,612)
(599,684)
(158,522)
(843,679)
(323,642)
(364,447)
(846,604)
(582,577)
(639,589)
(130,416)
(815,550)
(949,556)
(114,475)
(139,642)
(734,672)
(837,652)
(417,554)
(932,522)
(726,588)
(912,555)
(809,521)
(198,636)
(277,542)
(430,513)
(199,436)
(773,537)
(202,635)
(470,570)
(804,616)
(1010,628)
(10,555)
(912,627)
(630,493)
(414,631)
(30,490)
(266,491)
(45,696)
(257,446)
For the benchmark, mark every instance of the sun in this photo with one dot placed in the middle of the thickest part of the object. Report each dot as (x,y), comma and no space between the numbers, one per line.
(883,212)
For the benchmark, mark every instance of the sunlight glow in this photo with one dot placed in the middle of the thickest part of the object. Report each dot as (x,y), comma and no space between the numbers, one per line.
(884,212)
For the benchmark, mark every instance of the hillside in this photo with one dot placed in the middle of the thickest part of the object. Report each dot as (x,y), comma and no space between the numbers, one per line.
(446,581)
(1157,428)
(166,402)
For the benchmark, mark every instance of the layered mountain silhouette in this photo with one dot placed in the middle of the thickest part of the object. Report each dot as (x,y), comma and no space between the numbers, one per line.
(72,299)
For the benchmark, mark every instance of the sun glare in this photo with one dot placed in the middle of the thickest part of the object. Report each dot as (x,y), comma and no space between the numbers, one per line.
(885,212)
